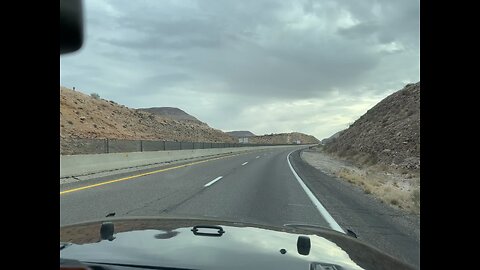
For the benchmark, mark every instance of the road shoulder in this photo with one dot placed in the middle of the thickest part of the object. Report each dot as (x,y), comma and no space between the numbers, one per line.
(391,230)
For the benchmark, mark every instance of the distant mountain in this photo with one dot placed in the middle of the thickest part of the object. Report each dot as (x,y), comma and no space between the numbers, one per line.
(331,138)
(241,133)
(387,134)
(171,112)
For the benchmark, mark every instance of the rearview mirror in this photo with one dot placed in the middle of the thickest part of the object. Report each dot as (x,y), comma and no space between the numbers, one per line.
(71,25)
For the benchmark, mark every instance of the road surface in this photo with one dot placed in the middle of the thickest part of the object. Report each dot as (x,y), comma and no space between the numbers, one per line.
(257,187)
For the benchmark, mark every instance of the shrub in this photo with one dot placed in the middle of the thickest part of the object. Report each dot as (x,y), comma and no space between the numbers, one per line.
(371,159)
(416,197)
(95,95)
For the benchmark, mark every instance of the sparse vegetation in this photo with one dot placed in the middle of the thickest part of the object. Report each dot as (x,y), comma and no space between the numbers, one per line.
(404,170)
(384,186)
(95,95)
(371,159)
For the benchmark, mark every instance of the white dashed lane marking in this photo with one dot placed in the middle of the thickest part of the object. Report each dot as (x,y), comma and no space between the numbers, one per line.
(213,181)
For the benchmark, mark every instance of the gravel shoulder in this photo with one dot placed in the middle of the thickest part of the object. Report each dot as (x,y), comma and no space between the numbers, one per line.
(399,190)
(392,230)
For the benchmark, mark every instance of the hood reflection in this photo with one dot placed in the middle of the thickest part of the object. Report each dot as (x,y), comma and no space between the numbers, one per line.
(170,245)
(166,235)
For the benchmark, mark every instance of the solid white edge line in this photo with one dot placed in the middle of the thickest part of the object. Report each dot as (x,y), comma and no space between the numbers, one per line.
(333,224)
(245,163)
(213,181)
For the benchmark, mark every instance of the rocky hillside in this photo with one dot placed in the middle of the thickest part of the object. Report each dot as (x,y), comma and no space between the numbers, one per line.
(331,138)
(388,134)
(82,116)
(284,138)
(173,113)
(241,133)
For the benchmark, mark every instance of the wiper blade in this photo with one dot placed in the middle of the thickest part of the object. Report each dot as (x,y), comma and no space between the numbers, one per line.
(299,225)
(64,245)
(296,225)
(138,266)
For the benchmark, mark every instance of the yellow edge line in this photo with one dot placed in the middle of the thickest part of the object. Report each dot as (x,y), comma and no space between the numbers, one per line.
(142,174)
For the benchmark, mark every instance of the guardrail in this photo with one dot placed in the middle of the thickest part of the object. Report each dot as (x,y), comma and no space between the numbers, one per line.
(102,146)
(77,165)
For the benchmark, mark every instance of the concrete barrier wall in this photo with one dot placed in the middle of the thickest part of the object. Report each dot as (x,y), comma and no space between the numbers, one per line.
(76,165)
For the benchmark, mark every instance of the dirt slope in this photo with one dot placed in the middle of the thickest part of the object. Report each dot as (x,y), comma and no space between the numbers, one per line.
(388,134)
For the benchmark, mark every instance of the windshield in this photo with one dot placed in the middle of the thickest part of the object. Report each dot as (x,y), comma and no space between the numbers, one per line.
(281,113)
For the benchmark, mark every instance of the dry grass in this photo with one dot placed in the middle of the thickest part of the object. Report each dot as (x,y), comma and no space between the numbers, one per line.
(388,185)
(404,195)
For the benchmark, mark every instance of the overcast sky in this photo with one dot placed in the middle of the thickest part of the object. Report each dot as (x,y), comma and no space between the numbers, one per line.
(263,66)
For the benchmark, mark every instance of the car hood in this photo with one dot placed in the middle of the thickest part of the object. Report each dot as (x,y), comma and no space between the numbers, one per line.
(170,242)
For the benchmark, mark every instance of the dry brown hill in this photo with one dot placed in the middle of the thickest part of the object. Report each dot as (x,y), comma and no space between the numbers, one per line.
(388,134)
(82,116)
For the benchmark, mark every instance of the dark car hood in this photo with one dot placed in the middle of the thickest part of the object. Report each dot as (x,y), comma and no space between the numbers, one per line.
(168,242)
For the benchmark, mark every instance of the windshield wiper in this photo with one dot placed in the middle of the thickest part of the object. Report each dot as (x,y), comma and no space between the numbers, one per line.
(138,266)
(306,225)
(64,245)
(299,225)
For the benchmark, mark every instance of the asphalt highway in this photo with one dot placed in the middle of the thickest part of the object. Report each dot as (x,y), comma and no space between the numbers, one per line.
(262,186)
(256,187)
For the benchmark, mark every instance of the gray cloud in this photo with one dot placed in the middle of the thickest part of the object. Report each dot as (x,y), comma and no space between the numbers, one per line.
(221,59)
(361,30)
